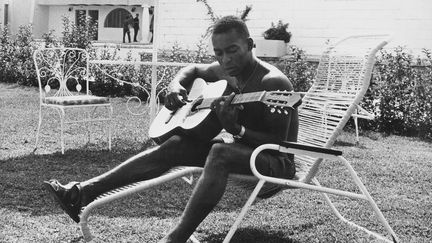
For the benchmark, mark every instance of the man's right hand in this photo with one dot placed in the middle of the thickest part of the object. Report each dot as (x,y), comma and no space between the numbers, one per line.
(176,98)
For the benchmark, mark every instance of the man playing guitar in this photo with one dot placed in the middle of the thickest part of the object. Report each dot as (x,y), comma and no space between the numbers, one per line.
(251,125)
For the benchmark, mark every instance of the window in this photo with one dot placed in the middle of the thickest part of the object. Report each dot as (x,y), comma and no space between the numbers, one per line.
(80,16)
(116,18)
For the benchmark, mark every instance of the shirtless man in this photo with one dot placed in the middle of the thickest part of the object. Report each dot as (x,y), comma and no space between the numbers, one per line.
(252,124)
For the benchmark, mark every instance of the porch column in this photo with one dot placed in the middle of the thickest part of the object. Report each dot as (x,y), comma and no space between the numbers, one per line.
(144,25)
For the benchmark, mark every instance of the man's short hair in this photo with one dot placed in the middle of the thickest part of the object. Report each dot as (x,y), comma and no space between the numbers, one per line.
(228,23)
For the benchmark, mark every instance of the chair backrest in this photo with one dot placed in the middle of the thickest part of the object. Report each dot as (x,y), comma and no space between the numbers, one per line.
(343,77)
(62,69)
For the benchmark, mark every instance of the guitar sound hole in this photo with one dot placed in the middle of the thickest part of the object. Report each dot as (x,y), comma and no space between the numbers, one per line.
(195,104)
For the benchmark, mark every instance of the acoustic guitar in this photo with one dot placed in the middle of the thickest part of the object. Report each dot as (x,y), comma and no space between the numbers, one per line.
(196,119)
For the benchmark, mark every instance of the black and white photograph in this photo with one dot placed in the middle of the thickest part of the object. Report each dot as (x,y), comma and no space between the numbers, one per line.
(187,121)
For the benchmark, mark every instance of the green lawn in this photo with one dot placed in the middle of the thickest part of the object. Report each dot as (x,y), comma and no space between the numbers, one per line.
(396,170)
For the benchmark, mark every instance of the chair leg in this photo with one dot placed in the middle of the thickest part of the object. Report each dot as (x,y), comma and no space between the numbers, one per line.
(350,223)
(244,211)
(38,128)
(85,230)
(369,199)
(89,117)
(110,126)
(62,117)
(356,128)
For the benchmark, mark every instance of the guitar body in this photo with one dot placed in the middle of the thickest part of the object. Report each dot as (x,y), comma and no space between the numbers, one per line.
(196,119)
(201,124)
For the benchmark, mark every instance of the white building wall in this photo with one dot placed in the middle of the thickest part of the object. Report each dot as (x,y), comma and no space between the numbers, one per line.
(40,20)
(311,22)
(2,5)
(19,14)
(56,14)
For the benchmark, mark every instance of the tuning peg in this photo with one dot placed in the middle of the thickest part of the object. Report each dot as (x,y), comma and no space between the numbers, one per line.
(279,111)
(272,110)
(285,112)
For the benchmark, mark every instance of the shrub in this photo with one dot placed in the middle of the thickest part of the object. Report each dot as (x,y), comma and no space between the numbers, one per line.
(16,56)
(50,39)
(400,95)
(299,71)
(142,74)
(80,34)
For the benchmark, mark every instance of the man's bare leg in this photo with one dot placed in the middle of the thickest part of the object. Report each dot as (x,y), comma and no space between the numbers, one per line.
(222,160)
(146,165)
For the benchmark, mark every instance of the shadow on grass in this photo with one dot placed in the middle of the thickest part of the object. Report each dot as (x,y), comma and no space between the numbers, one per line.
(22,188)
(341,143)
(251,235)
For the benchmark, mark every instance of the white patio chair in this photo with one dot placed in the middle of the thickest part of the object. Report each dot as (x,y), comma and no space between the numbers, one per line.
(62,69)
(343,77)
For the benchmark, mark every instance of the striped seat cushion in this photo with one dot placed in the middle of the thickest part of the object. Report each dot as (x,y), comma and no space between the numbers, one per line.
(77,100)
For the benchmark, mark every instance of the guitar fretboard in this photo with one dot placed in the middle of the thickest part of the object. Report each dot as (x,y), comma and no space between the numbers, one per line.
(238,99)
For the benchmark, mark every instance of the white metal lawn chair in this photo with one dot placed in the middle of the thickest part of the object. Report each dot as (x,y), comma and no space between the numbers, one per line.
(342,79)
(59,70)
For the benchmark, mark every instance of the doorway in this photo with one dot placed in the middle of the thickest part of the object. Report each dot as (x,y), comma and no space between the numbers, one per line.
(94,21)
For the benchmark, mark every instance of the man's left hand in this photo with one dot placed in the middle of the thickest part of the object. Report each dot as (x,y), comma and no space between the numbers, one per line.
(227,113)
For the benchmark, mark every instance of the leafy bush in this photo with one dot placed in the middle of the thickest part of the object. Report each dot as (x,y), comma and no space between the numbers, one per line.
(16,51)
(78,35)
(50,39)
(16,56)
(278,32)
(104,85)
(141,75)
(400,94)
(299,71)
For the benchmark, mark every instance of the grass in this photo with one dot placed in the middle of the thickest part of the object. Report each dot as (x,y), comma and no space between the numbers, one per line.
(396,170)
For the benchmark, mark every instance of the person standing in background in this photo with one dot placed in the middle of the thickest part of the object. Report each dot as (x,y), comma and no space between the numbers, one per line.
(136,27)
(151,12)
(126,30)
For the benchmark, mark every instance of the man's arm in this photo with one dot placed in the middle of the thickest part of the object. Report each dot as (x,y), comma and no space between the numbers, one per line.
(276,124)
(184,79)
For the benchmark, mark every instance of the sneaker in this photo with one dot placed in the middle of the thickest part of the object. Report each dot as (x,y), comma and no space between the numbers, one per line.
(61,193)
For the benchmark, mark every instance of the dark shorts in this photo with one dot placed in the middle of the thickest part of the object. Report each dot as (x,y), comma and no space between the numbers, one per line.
(276,165)
(270,162)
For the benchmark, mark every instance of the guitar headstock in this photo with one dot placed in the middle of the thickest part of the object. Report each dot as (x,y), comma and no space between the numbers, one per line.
(280,101)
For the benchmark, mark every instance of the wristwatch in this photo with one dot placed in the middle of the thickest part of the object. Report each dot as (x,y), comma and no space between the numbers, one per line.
(241,133)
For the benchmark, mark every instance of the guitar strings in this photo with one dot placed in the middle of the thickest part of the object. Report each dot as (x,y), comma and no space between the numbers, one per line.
(239,98)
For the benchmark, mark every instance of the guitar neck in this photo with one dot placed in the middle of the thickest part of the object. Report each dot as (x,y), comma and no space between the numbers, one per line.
(237,100)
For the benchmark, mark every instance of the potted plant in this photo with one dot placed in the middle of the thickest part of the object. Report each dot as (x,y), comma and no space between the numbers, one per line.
(275,41)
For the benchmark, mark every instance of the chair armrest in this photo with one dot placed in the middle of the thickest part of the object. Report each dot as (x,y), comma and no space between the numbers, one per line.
(310,148)
(292,148)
